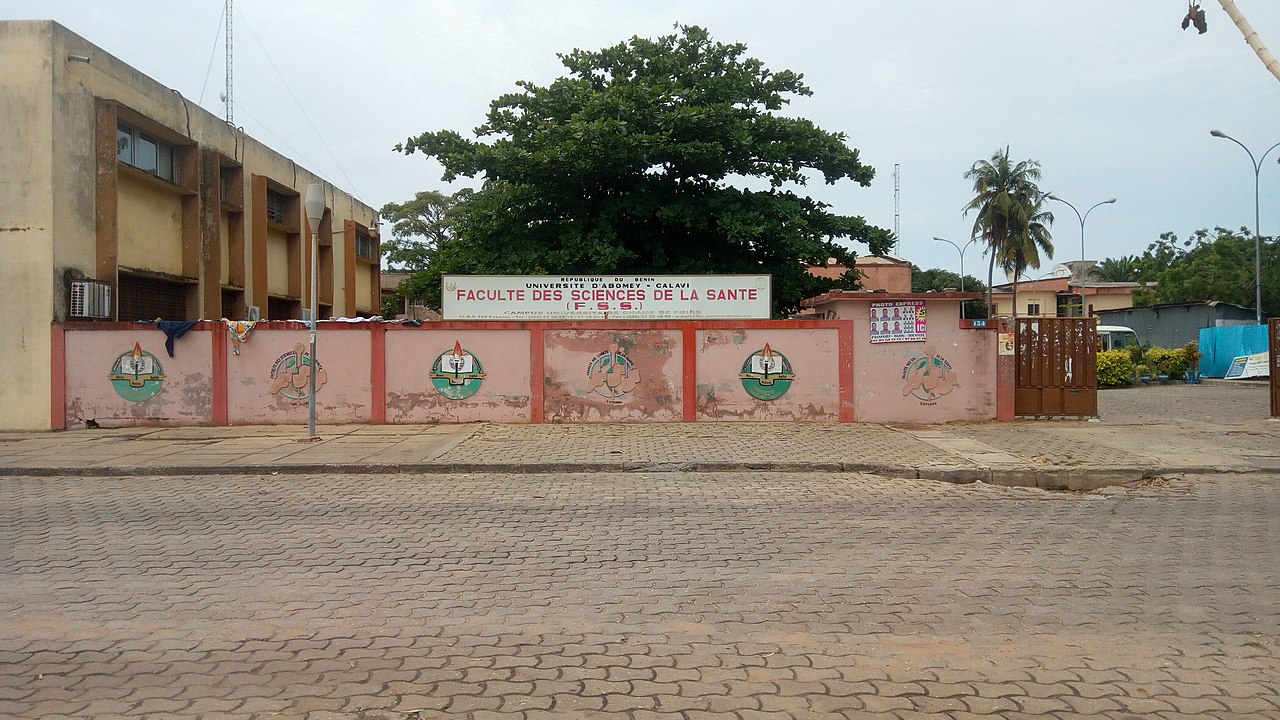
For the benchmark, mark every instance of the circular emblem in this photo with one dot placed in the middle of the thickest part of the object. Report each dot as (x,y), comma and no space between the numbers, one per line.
(457,374)
(766,374)
(137,375)
(611,375)
(928,376)
(291,374)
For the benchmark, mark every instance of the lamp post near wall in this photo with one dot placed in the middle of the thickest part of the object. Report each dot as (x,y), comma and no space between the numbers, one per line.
(1082,218)
(961,251)
(314,204)
(1257,239)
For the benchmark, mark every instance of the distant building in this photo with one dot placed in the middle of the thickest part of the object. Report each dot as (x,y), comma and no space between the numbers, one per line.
(878,272)
(1060,297)
(1176,324)
(122,200)
(408,308)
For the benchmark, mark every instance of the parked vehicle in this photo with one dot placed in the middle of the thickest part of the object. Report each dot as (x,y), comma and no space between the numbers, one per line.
(1116,337)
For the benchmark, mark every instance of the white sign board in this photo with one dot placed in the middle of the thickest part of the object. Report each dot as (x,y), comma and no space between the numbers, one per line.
(605,297)
(1248,366)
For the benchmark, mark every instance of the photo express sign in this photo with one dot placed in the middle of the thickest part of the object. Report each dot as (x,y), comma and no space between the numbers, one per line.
(601,297)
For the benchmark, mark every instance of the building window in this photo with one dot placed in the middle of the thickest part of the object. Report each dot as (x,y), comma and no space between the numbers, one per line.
(276,203)
(364,245)
(145,152)
(1033,308)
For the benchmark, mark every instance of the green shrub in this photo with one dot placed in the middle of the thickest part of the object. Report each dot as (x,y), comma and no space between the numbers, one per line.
(1115,368)
(1167,360)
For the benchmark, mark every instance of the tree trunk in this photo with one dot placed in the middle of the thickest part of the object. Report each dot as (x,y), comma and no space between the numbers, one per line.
(991,268)
(1251,37)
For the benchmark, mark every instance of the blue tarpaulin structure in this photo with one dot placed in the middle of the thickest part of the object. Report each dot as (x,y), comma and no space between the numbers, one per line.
(1220,345)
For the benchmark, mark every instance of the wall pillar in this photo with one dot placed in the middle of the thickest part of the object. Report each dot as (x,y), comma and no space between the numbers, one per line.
(1006,370)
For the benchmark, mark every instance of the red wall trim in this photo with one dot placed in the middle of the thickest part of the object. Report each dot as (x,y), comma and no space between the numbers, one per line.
(537,373)
(219,383)
(845,371)
(378,372)
(690,393)
(58,378)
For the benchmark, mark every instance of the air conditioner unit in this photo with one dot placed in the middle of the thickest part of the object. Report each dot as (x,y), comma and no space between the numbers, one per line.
(90,299)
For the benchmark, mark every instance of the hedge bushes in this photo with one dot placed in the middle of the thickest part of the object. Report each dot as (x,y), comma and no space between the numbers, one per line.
(1115,368)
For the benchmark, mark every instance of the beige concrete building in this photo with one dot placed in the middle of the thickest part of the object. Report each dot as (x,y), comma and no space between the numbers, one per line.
(122,200)
(1060,297)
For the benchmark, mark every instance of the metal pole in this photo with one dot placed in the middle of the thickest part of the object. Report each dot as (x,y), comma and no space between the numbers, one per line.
(1257,213)
(961,251)
(1082,218)
(311,390)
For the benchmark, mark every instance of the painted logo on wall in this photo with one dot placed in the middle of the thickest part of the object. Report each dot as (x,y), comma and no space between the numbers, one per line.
(137,375)
(766,374)
(611,375)
(291,374)
(457,374)
(928,376)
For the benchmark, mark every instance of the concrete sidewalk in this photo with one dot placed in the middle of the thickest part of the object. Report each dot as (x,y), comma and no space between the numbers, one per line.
(1056,454)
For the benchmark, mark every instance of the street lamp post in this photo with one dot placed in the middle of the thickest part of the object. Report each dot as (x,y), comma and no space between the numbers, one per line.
(314,204)
(1082,219)
(961,251)
(1257,239)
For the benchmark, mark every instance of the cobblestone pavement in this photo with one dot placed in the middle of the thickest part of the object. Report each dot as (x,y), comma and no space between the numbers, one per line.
(644,595)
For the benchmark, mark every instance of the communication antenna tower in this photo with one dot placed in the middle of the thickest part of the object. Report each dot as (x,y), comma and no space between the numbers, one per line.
(227,97)
(897,196)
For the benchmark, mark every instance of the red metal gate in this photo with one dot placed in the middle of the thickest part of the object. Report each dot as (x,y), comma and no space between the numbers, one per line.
(1273,367)
(1057,367)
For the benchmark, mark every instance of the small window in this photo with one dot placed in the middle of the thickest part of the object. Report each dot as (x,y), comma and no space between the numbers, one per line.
(1033,308)
(364,245)
(145,152)
(276,203)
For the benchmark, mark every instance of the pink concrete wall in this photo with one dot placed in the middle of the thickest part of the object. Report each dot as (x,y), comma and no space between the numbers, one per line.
(813,357)
(580,388)
(501,396)
(882,394)
(183,397)
(344,396)
(826,370)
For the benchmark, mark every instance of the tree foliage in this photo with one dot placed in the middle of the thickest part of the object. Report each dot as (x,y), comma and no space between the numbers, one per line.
(418,227)
(627,165)
(1010,215)
(937,280)
(1208,265)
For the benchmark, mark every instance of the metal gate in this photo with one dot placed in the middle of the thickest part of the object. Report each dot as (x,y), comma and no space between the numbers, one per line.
(1273,367)
(1057,367)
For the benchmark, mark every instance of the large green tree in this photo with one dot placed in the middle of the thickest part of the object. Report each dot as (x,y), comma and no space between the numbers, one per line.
(1211,265)
(937,280)
(664,155)
(1010,217)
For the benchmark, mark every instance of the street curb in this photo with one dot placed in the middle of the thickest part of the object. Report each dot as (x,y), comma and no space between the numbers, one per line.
(1047,478)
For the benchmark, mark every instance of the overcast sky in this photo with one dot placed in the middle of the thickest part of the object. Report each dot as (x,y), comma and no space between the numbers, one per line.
(1113,99)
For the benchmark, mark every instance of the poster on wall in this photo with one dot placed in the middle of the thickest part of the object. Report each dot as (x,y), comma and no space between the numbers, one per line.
(902,321)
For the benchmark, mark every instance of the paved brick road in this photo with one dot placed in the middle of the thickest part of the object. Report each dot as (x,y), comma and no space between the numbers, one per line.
(642,595)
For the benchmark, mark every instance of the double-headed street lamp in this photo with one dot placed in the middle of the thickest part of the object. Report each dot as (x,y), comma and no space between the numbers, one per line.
(1082,219)
(961,251)
(314,204)
(1257,239)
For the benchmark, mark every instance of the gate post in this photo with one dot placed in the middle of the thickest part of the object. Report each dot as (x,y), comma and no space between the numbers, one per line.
(1273,345)
(1006,369)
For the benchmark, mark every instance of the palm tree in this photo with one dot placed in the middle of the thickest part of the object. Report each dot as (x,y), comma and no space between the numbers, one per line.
(1006,200)
(1122,269)
(1024,249)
